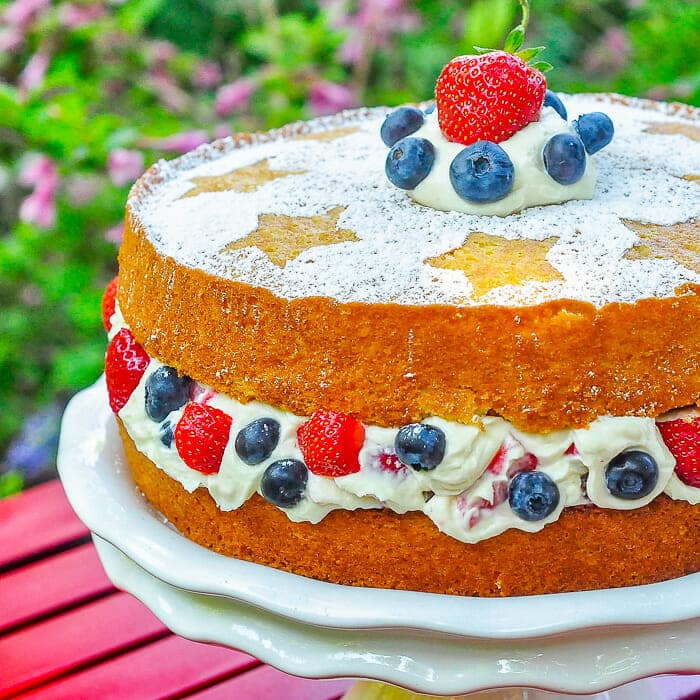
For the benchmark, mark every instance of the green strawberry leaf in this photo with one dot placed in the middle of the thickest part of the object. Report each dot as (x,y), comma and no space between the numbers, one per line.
(515,39)
(541,66)
(481,50)
(528,54)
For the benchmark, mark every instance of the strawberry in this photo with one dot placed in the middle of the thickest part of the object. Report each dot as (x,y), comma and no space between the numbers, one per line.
(682,437)
(331,443)
(201,436)
(488,97)
(389,462)
(124,366)
(109,300)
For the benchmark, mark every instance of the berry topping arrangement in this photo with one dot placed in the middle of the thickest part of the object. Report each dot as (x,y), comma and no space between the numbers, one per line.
(494,128)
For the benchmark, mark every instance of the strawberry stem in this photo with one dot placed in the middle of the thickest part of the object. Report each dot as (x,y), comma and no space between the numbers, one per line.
(525,8)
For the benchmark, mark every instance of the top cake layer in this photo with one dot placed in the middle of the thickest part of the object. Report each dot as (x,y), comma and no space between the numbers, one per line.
(307,211)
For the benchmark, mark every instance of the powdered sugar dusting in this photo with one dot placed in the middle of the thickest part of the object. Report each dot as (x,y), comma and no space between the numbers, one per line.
(641,178)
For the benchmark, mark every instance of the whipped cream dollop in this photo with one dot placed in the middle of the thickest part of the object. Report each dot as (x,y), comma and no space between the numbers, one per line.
(532,185)
(466,495)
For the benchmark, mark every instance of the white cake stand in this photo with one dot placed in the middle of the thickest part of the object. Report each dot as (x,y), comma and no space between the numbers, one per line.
(443,645)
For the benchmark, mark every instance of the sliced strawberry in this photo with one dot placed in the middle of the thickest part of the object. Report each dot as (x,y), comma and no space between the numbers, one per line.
(500,493)
(389,462)
(201,436)
(109,300)
(682,437)
(331,443)
(124,366)
(526,463)
(488,97)
(499,461)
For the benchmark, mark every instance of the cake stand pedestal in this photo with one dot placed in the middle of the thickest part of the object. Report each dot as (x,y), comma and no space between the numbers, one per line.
(443,645)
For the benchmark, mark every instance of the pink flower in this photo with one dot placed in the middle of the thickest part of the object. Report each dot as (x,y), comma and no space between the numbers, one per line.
(326,97)
(34,72)
(168,91)
(610,54)
(21,12)
(11,39)
(207,74)
(40,206)
(81,190)
(373,25)
(114,234)
(234,96)
(161,51)
(178,143)
(74,15)
(124,166)
(38,169)
(221,131)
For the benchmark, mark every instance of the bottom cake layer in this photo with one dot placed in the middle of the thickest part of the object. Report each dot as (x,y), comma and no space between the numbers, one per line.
(587,548)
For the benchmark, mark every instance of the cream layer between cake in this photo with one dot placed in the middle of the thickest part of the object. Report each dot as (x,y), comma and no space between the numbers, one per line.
(465,496)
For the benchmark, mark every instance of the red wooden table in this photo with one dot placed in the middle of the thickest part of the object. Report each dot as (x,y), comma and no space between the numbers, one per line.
(66,632)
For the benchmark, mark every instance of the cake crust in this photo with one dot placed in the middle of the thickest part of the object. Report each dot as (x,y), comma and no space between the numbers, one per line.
(544,367)
(587,548)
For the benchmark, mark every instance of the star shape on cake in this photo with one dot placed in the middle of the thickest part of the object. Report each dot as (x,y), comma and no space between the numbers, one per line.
(283,238)
(491,261)
(675,128)
(246,179)
(678,242)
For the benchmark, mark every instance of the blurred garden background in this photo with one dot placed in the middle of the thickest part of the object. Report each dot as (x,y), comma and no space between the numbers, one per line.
(91,93)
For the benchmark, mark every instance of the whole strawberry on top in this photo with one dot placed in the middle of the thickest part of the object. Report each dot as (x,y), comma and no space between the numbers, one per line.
(493,95)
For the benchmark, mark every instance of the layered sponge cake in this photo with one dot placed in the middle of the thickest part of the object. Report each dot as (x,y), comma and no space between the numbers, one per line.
(316,371)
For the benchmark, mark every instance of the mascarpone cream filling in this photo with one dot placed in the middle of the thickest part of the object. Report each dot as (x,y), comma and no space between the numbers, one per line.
(532,185)
(466,495)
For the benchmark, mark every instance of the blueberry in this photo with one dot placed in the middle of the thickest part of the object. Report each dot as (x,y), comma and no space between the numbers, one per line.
(284,482)
(595,129)
(429,109)
(482,172)
(533,495)
(631,475)
(564,158)
(166,433)
(421,446)
(165,392)
(551,100)
(402,122)
(255,442)
(409,162)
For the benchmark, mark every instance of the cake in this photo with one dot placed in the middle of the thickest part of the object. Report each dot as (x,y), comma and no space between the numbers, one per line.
(452,348)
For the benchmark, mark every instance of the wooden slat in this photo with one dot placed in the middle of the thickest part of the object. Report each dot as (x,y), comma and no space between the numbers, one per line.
(48,585)
(36,654)
(267,683)
(169,667)
(36,521)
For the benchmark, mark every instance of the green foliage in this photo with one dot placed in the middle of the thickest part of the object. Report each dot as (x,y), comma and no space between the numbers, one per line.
(116,82)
